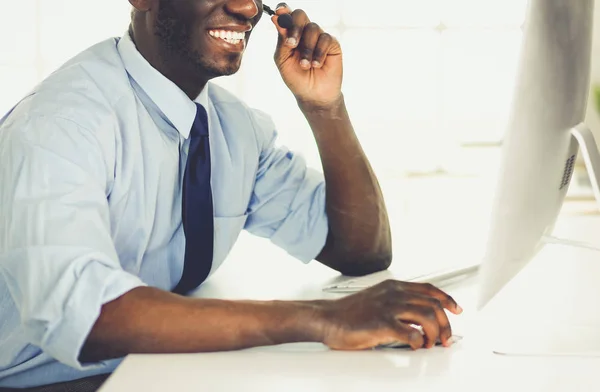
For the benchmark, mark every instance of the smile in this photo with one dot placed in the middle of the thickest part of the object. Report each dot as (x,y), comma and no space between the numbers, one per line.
(231,37)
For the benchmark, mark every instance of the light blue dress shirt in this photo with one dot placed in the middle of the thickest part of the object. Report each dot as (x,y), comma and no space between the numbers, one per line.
(91,170)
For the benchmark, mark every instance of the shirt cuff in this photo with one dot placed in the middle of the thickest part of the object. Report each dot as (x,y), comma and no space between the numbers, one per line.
(97,285)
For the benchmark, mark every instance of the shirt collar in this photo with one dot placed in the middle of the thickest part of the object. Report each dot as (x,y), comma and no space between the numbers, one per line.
(169,98)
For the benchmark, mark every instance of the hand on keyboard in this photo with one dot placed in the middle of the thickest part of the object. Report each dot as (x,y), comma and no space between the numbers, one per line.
(383,314)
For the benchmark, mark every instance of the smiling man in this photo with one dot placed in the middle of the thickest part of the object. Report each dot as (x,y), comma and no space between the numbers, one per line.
(127,177)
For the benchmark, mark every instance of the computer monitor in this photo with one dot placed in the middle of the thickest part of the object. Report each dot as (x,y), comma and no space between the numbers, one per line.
(545,132)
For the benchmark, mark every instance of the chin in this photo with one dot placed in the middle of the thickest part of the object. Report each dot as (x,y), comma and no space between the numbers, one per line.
(222,68)
(229,70)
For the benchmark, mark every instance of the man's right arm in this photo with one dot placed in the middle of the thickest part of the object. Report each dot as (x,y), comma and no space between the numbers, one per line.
(63,272)
(78,305)
(148,320)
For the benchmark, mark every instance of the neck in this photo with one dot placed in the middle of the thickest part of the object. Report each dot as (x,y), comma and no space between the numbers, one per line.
(183,77)
(189,80)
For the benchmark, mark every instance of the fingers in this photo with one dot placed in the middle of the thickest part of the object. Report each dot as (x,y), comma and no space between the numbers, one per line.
(421,304)
(424,316)
(305,37)
(314,47)
(381,314)
(308,43)
(445,331)
(290,36)
(407,334)
(281,9)
(299,22)
(322,49)
(430,290)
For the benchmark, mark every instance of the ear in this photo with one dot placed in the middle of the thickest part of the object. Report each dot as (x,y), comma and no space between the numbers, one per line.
(143,5)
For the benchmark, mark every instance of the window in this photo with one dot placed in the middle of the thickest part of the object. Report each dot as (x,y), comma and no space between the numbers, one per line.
(427,84)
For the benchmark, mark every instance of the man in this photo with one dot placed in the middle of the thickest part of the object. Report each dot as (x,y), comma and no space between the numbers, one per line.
(127,177)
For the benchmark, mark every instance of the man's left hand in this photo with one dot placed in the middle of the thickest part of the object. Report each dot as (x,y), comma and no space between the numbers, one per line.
(309,60)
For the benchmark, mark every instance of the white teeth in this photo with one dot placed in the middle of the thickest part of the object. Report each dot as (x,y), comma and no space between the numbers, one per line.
(233,37)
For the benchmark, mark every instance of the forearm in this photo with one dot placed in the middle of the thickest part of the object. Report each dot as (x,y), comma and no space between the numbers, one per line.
(148,320)
(359,241)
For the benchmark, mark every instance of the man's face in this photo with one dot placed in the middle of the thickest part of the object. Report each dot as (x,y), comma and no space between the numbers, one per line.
(208,35)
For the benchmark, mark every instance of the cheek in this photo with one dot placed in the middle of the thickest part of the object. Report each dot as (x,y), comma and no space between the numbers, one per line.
(202,8)
(198,40)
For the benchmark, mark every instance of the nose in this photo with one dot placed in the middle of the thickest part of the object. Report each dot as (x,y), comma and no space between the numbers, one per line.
(244,9)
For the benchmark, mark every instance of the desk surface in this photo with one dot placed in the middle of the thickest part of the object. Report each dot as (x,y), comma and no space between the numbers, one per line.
(469,364)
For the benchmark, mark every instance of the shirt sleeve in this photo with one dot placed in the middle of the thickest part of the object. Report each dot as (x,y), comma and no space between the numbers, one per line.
(56,251)
(288,202)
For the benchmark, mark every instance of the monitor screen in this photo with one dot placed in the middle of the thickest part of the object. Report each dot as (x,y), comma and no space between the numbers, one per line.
(539,149)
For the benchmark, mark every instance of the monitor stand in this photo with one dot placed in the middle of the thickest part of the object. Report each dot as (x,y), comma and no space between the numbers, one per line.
(591,157)
(563,338)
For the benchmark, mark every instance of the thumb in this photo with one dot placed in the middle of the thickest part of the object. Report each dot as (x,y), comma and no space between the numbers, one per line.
(284,48)
(408,335)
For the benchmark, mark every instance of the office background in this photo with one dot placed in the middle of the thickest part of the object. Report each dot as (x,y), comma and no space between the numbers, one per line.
(427,82)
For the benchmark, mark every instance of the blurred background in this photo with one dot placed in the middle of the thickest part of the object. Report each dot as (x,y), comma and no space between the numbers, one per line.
(427,82)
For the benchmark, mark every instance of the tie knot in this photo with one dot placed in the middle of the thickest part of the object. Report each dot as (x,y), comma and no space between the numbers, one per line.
(200,126)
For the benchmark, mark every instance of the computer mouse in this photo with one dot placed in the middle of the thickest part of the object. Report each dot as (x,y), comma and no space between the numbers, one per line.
(454,339)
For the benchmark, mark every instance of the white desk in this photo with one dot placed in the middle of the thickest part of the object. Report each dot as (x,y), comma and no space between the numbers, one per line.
(468,366)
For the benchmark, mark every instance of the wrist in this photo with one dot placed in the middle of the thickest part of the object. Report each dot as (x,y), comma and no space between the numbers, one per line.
(320,108)
(308,323)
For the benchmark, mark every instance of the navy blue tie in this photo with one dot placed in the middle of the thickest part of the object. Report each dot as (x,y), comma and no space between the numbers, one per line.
(197,207)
